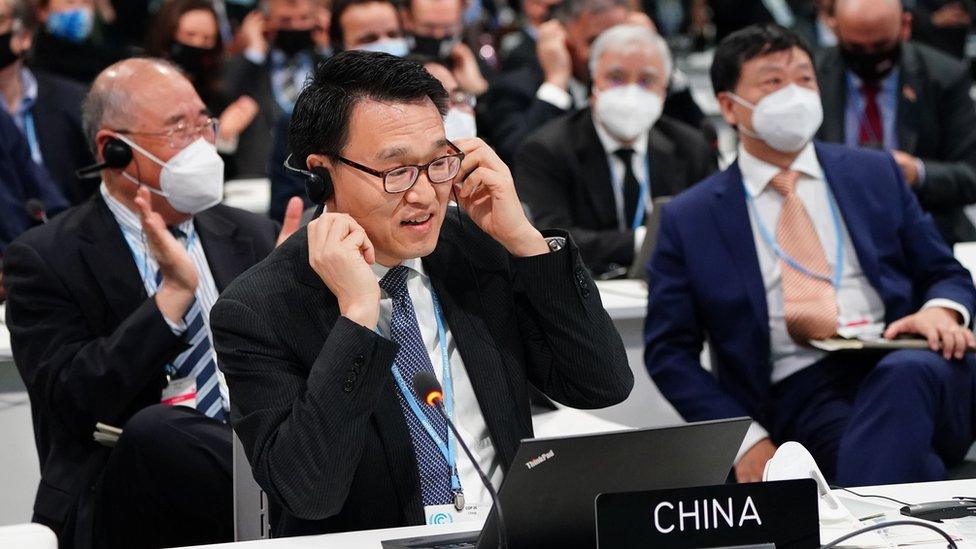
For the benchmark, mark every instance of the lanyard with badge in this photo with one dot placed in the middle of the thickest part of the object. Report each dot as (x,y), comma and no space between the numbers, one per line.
(641,207)
(448,449)
(835,279)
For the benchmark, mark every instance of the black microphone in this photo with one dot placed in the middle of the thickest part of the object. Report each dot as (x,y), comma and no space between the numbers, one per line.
(428,390)
(35,209)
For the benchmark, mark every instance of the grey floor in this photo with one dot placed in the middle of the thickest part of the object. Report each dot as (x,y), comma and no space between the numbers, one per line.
(18,459)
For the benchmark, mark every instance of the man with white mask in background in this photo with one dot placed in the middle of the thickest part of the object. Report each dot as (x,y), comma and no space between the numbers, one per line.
(460,121)
(800,241)
(108,311)
(597,171)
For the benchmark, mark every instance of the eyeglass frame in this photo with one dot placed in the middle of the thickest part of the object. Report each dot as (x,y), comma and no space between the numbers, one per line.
(212,121)
(421,168)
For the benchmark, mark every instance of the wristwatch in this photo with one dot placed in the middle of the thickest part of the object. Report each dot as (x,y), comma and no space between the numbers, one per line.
(555,243)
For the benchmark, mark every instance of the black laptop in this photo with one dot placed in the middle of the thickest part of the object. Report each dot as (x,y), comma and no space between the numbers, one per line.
(551,503)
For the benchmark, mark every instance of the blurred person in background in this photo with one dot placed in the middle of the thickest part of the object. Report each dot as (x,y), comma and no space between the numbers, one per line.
(460,122)
(882,91)
(108,309)
(518,48)
(372,25)
(279,55)
(186,32)
(46,108)
(323,25)
(944,24)
(597,171)
(65,44)
(434,29)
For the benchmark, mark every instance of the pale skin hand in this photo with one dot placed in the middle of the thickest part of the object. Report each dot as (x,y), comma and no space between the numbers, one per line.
(553,54)
(180,280)
(466,70)
(237,117)
(486,191)
(252,28)
(341,254)
(292,221)
(939,326)
(750,468)
(908,165)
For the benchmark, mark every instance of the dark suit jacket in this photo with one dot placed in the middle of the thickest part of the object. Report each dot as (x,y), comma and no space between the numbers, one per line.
(518,50)
(705,279)
(21,180)
(243,77)
(91,346)
(563,176)
(515,109)
(936,121)
(57,119)
(315,404)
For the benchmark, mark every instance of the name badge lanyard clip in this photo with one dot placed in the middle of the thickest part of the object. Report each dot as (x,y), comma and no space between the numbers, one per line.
(449,450)
(835,279)
(641,208)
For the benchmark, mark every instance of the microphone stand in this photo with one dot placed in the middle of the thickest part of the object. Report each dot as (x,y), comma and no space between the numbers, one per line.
(502,539)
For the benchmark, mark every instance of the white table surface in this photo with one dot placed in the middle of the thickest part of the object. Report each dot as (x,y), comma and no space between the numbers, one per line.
(371,539)
(624,299)
(5,352)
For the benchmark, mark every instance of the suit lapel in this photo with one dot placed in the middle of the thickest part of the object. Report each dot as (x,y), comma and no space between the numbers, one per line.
(595,170)
(732,217)
(105,251)
(228,254)
(909,84)
(833,95)
(464,314)
(846,192)
(663,169)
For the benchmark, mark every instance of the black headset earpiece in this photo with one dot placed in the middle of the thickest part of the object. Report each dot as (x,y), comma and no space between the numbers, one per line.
(318,185)
(116,154)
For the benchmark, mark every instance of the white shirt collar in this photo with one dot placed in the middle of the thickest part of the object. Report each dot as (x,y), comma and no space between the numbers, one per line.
(757,173)
(611,144)
(415,264)
(128,219)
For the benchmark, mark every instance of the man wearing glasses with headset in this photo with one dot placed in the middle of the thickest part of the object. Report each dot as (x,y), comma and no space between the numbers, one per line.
(320,342)
(109,318)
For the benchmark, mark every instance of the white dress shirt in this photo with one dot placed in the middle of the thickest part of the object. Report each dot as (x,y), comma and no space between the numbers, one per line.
(638,163)
(577,97)
(467,413)
(857,299)
(206,293)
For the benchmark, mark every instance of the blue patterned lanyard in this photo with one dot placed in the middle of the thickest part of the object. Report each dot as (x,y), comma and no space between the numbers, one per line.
(780,253)
(641,207)
(449,450)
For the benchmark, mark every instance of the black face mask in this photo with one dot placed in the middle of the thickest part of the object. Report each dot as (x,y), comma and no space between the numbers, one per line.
(436,48)
(198,62)
(871,67)
(7,55)
(293,41)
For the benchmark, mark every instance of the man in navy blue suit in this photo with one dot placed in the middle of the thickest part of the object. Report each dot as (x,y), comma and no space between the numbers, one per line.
(800,241)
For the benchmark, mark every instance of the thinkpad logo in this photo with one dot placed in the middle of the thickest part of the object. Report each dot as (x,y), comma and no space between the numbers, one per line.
(541,459)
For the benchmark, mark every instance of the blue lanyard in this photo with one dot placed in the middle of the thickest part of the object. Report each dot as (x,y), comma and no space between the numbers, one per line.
(30,132)
(449,450)
(780,253)
(641,208)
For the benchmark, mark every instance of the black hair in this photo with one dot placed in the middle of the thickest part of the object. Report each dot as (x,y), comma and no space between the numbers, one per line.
(336,35)
(749,43)
(320,121)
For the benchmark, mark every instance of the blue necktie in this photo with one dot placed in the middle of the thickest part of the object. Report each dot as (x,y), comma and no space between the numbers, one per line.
(198,361)
(435,480)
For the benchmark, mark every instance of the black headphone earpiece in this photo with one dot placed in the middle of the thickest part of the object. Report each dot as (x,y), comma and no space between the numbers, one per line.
(318,185)
(116,154)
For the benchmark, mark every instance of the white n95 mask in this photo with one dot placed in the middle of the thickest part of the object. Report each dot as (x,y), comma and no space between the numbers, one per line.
(191,181)
(786,119)
(628,111)
(459,124)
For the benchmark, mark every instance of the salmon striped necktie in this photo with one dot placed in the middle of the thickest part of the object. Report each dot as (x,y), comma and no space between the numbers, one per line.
(810,304)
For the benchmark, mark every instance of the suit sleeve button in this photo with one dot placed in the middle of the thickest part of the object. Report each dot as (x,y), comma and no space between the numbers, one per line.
(360,360)
(348,386)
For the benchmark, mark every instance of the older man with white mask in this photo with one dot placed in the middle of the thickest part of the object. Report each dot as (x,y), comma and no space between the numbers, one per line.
(597,171)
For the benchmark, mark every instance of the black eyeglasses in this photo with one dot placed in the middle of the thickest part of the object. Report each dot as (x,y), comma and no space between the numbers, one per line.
(401,179)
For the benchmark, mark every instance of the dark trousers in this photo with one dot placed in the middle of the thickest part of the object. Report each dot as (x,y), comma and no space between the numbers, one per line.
(880,418)
(168,482)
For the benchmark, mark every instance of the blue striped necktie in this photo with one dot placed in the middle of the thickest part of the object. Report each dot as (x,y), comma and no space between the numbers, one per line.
(199,360)
(412,358)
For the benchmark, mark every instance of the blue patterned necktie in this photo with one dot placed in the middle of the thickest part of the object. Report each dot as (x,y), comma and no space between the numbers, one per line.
(199,360)
(435,480)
